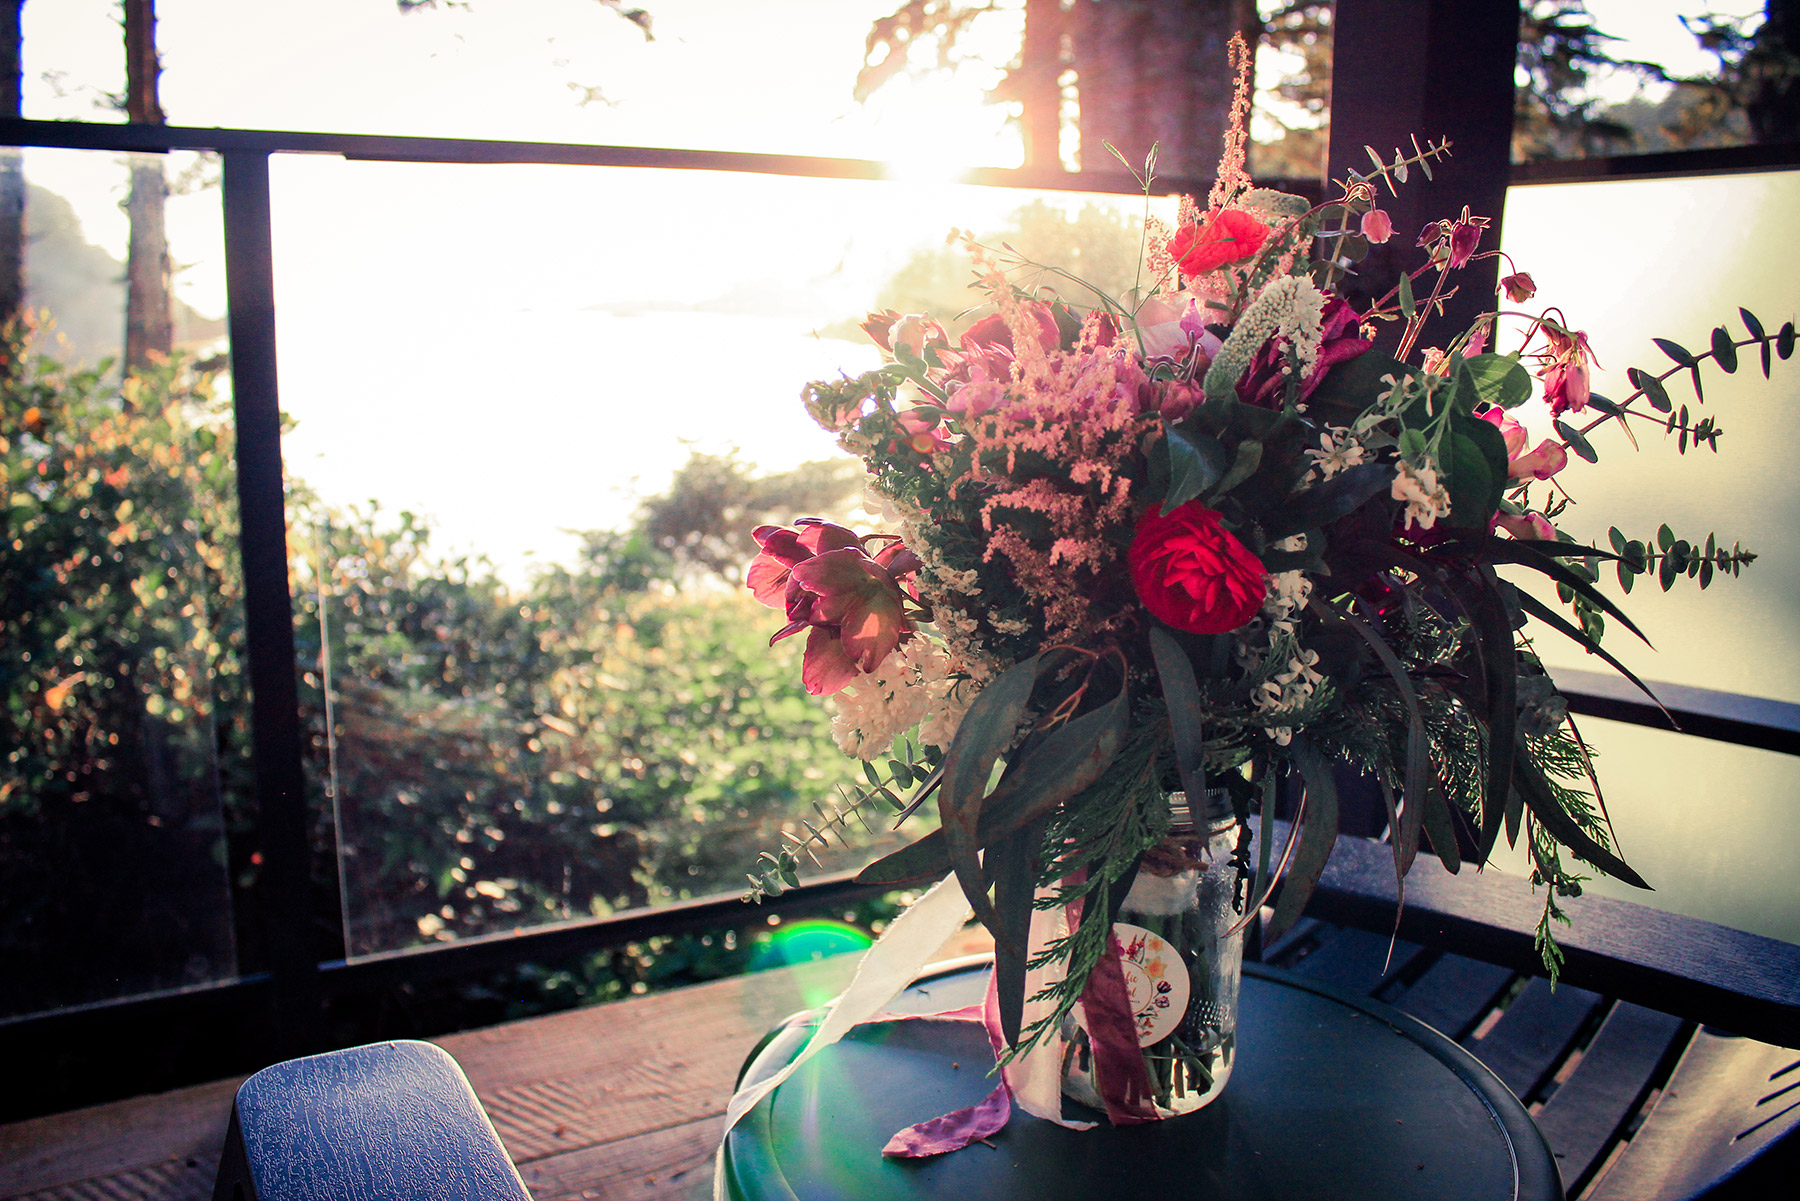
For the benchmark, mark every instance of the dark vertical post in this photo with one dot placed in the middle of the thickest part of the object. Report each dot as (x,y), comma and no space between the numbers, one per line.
(1434,69)
(284,888)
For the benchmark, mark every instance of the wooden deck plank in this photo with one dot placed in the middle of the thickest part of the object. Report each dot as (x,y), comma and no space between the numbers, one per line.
(586,1079)
(1584,1116)
(1534,1034)
(145,1142)
(675,1164)
(1453,994)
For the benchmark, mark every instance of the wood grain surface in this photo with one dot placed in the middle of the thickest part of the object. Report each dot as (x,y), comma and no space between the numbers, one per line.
(618,1101)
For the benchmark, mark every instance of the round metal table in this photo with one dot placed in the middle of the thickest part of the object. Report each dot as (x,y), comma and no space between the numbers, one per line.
(1333,1096)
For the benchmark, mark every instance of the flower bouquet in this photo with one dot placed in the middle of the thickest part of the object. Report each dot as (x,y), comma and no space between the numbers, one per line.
(1189,543)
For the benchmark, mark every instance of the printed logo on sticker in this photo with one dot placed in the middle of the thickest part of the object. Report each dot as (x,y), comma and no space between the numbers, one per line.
(1156,980)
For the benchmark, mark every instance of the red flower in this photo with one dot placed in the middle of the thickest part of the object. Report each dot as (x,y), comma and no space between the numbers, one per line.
(1192,573)
(1229,237)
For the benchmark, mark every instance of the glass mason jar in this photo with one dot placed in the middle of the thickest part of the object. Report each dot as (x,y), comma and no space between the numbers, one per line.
(1182,962)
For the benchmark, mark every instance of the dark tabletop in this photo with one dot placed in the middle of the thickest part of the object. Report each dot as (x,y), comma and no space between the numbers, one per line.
(1333,1096)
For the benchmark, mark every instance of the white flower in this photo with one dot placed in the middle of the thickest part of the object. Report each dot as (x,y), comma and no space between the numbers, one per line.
(1338,451)
(1426,500)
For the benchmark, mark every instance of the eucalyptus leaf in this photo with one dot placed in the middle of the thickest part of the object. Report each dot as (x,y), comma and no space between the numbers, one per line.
(1676,351)
(1652,388)
(1724,351)
(1575,440)
(1181,694)
(1318,835)
(987,729)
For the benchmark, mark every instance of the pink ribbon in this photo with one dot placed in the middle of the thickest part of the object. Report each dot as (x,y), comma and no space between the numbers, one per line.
(959,1128)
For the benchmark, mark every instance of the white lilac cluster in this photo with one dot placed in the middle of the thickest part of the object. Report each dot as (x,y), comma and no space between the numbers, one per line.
(1427,501)
(1338,452)
(1303,326)
(909,687)
(1291,306)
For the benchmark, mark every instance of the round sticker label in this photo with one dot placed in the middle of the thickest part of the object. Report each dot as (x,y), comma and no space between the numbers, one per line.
(1155,979)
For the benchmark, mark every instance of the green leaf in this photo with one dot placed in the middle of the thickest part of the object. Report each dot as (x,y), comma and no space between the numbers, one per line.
(1338,496)
(1412,445)
(1477,471)
(986,730)
(1723,351)
(1575,440)
(1500,379)
(1440,827)
(1617,538)
(1181,693)
(1348,387)
(1408,308)
(1652,388)
(1054,769)
(1318,835)
(1665,537)
(1243,465)
(1784,341)
(1676,351)
(1751,323)
(1196,462)
(1569,630)
(1532,555)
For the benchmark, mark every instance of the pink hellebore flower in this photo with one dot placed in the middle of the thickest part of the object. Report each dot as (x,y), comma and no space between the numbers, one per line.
(1540,464)
(924,429)
(989,342)
(1377,226)
(849,602)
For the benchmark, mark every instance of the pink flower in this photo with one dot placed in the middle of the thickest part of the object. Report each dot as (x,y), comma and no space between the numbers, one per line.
(1465,235)
(1533,527)
(989,342)
(848,602)
(782,548)
(924,429)
(1377,226)
(1566,376)
(1519,287)
(1542,463)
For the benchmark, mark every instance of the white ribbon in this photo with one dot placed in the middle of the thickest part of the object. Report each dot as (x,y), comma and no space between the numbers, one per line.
(911,941)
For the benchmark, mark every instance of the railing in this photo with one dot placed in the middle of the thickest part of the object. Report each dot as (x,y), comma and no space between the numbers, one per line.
(217,1029)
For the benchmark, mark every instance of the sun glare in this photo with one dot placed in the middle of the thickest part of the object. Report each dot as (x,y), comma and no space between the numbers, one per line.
(934,129)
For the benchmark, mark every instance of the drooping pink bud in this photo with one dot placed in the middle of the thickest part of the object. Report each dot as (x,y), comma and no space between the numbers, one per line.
(1377,226)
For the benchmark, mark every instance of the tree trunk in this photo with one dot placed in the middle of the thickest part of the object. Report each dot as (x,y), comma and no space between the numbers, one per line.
(149,326)
(12,169)
(1155,72)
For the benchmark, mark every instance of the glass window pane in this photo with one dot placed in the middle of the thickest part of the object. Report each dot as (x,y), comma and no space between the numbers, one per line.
(537,412)
(125,716)
(1711,826)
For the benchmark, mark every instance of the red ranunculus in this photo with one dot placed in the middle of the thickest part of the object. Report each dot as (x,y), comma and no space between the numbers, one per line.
(1192,573)
(1229,236)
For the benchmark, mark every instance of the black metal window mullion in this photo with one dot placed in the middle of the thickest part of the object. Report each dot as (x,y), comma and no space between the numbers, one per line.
(284,893)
